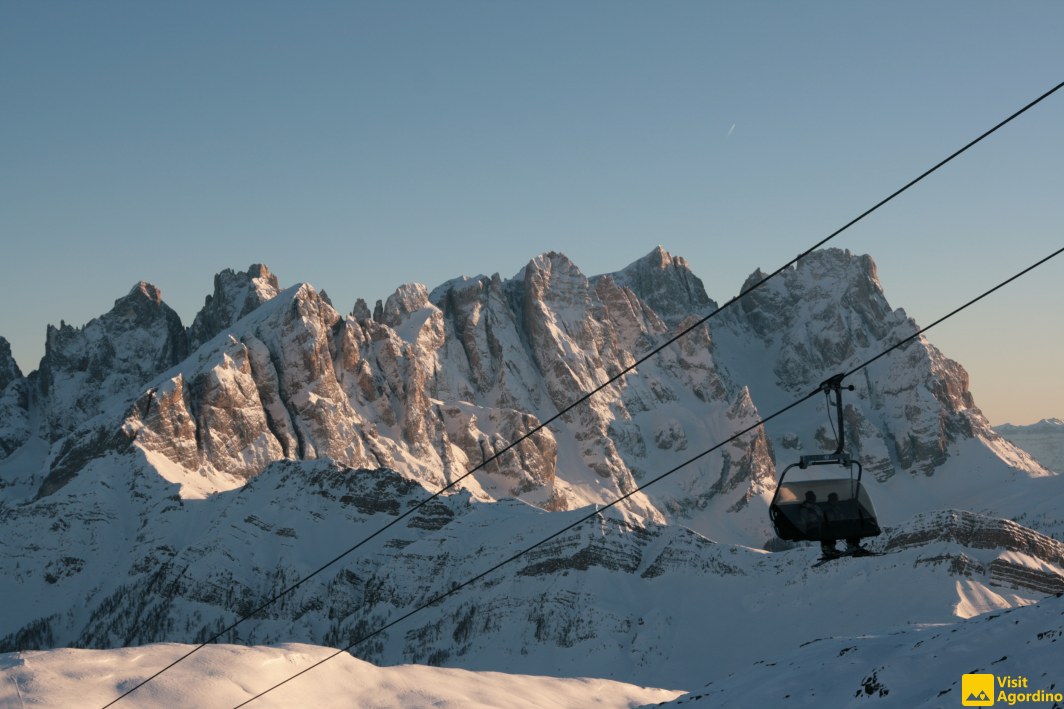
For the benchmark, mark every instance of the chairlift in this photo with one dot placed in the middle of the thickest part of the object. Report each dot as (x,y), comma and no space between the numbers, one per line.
(832,504)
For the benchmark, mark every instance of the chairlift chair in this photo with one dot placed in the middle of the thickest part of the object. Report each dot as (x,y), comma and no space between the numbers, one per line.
(833,504)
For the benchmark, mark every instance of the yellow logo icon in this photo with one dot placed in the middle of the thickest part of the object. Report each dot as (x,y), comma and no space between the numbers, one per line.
(977,690)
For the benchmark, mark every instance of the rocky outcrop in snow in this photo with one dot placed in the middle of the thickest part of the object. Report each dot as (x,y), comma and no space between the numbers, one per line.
(9,370)
(263,391)
(538,341)
(1019,555)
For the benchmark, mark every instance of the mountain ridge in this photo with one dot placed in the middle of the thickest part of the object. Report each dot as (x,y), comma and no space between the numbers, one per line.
(434,382)
(1044,440)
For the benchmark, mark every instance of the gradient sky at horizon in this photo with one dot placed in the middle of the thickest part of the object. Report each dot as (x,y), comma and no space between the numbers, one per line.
(359,146)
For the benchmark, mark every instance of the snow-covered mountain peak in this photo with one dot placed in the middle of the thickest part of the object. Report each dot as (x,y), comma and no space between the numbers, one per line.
(235,295)
(839,263)
(551,274)
(144,291)
(1043,440)
(440,292)
(439,382)
(911,410)
(816,292)
(112,355)
(1049,425)
(667,284)
(263,281)
(407,299)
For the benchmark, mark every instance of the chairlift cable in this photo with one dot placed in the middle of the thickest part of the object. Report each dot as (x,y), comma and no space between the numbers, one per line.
(947,316)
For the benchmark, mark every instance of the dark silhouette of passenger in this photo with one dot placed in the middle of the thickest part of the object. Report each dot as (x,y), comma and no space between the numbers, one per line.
(810,517)
(834,517)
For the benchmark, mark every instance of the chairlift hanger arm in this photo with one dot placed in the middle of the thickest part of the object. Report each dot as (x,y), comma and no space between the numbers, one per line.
(839,456)
(835,384)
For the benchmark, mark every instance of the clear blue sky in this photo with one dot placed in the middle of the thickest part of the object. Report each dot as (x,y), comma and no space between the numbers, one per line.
(358,146)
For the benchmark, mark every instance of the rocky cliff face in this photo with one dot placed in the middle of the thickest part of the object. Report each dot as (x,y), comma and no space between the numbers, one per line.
(666,284)
(263,390)
(538,341)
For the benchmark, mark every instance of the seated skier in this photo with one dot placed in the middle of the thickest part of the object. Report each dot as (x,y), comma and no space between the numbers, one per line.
(833,513)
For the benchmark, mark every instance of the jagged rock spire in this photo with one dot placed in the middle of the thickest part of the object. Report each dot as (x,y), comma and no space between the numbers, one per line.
(9,369)
(235,295)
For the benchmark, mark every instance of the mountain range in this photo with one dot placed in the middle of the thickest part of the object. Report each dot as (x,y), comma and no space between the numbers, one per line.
(1044,440)
(158,481)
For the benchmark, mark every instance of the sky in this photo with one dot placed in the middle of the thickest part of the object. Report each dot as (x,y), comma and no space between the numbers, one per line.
(358,146)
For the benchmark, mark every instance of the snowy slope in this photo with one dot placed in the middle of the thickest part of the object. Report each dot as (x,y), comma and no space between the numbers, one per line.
(907,668)
(222,676)
(608,598)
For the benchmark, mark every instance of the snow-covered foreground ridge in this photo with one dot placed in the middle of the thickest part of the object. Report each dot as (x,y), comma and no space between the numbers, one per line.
(913,665)
(910,668)
(222,676)
(158,482)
